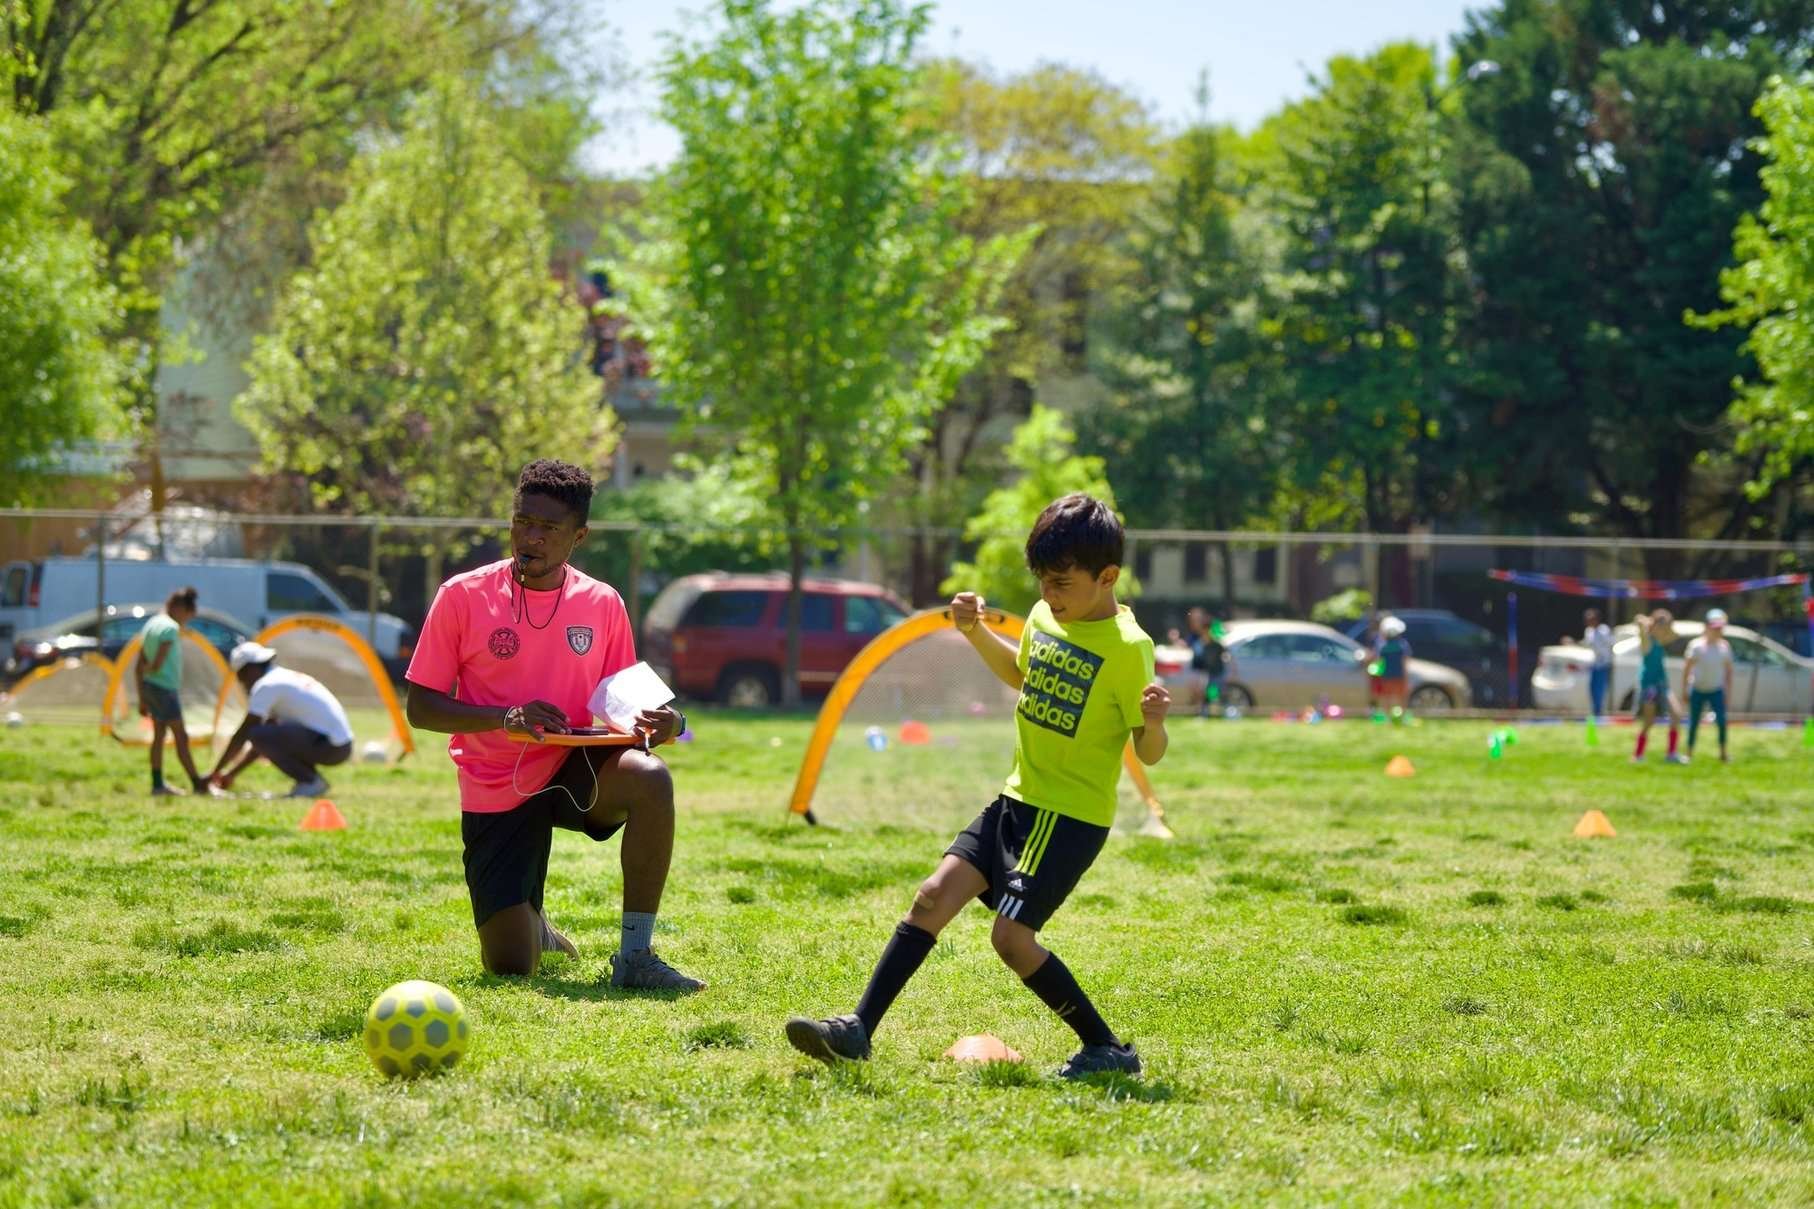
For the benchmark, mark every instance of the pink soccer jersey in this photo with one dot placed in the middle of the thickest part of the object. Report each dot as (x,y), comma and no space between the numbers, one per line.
(488,641)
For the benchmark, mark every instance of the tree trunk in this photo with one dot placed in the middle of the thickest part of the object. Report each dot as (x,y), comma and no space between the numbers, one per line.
(796,571)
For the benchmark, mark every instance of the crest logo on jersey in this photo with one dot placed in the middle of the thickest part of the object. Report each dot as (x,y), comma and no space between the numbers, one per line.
(503,642)
(579,637)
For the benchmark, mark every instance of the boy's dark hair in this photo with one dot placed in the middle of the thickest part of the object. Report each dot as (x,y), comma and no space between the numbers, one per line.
(1075,531)
(182,596)
(562,482)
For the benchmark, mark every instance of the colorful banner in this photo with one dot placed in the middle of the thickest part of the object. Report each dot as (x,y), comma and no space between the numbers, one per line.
(1646,589)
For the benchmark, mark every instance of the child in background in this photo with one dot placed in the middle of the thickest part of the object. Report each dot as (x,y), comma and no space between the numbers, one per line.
(1707,678)
(159,676)
(1596,636)
(1394,672)
(1655,632)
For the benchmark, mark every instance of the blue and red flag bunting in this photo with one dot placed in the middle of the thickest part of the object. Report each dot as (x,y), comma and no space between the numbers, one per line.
(1646,589)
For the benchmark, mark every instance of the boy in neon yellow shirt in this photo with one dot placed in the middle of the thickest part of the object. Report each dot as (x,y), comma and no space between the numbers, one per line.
(1084,669)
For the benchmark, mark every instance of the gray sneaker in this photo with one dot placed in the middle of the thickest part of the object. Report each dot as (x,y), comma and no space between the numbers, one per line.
(555,941)
(831,1039)
(644,970)
(312,788)
(1101,1060)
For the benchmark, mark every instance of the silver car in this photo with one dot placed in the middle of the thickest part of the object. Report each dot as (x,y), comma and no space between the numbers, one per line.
(1294,664)
(1767,678)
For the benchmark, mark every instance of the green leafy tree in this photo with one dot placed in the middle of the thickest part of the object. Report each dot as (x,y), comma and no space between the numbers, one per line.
(1185,427)
(1368,282)
(58,374)
(172,113)
(808,294)
(1059,150)
(1770,293)
(1600,172)
(1043,454)
(427,353)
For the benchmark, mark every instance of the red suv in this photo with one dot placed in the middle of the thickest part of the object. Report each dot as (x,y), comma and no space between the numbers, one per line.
(724,636)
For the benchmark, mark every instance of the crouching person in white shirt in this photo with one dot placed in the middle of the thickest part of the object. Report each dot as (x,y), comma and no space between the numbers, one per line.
(291,720)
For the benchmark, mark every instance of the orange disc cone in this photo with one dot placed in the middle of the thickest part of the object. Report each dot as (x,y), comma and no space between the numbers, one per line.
(1399,766)
(323,816)
(981,1047)
(1594,825)
(915,734)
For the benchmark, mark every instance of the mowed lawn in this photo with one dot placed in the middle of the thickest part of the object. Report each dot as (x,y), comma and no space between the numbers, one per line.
(1346,988)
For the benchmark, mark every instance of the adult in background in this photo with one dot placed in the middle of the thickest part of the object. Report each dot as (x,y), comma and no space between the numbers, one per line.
(518,646)
(1707,679)
(1210,656)
(159,678)
(1596,636)
(292,720)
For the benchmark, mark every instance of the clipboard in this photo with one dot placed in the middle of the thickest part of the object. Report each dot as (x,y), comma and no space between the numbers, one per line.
(584,736)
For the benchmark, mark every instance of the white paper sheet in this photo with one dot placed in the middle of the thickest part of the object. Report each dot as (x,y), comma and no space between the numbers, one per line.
(620,696)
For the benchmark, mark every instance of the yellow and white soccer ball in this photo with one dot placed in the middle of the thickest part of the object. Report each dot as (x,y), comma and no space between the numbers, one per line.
(416,1028)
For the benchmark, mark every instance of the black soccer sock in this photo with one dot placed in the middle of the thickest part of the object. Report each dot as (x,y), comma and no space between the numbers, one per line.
(906,949)
(1058,990)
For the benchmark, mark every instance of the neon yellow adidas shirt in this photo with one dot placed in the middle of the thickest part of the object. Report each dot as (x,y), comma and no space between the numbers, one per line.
(1081,684)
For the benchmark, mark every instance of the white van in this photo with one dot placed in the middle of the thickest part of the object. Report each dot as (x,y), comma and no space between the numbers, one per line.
(257,593)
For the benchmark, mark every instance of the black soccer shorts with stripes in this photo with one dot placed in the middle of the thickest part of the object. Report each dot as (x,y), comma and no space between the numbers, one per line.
(1031,858)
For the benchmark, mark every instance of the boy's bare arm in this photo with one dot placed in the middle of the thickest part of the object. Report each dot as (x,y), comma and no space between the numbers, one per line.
(1150,739)
(1001,655)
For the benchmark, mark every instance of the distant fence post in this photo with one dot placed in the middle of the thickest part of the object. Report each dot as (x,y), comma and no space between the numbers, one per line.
(371,586)
(634,587)
(100,571)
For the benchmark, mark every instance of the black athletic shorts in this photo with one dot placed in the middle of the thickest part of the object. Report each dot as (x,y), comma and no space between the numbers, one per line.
(1032,858)
(507,850)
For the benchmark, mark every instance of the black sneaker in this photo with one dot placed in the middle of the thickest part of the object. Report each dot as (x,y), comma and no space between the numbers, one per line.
(829,1040)
(1101,1060)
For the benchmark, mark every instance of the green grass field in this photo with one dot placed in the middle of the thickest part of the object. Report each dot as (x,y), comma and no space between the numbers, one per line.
(1346,988)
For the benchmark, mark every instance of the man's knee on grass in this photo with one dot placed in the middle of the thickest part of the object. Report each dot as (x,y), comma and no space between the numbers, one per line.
(510,942)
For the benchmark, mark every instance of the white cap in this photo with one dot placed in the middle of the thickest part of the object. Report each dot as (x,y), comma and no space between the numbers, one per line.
(1716,617)
(250,652)
(1391,627)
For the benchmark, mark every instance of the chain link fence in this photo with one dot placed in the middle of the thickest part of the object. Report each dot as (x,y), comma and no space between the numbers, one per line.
(380,573)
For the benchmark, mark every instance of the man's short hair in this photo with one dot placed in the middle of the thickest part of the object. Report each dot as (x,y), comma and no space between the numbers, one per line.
(1075,531)
(562,482)
(184,597)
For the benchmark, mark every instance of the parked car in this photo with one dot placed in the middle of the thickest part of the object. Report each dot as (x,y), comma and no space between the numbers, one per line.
(73,636)
(1767,677)
(1442,637)
(34,594)
(724,636)
(1293,664)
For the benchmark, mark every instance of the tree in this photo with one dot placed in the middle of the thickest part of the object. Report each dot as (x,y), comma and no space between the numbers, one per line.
(1600,173)
(1063,151)
(427,354)
(1770,293)
(58,376)
(1190,376)
(169,113)
(1044,455)
(1364,304)
(808,295)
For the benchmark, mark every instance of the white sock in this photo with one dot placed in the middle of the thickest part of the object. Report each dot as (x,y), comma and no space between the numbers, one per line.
(639,931)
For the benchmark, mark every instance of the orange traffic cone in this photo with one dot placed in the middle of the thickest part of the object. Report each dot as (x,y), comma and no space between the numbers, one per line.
(1594,825)
(1399,766)
(982,1047)
(323,816)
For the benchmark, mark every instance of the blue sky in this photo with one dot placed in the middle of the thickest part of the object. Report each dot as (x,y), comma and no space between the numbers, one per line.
(1257,52)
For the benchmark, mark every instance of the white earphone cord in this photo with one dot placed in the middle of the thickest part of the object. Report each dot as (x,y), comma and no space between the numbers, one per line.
(578,751)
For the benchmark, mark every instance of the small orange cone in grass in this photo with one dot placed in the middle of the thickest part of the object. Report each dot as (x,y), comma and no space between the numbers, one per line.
(1594,825)
(981,1047)
(915,734)
(1399,766)
(323,816)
